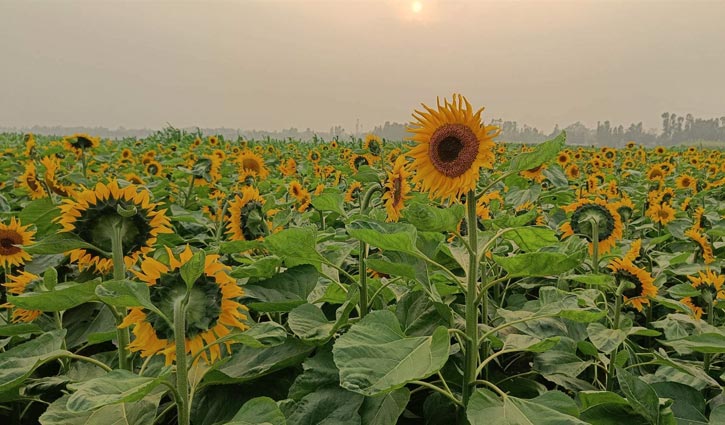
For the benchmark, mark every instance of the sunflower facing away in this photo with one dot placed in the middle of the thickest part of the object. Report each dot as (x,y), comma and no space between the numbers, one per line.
(78,142)
(373,144)
(397,189)
(246,219)
(709,280)
(13,236)
(212,311)
(584,212)
(93,214)
(452,145)
(29,179)
(644,289)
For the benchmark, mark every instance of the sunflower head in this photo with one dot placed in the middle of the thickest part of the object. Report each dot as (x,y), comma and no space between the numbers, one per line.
(590,214)
(252,164)
(709,281)
(353,192)
(451,146)
(80,142)
(95,213)
(373,144)
(642,284)
(246,221)
(13,236)
(357,161)
(397,189)
(21,283)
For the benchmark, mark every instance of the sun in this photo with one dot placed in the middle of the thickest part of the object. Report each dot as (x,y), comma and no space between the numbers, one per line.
(416,7)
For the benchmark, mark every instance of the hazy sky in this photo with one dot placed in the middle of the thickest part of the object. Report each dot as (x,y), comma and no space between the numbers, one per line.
(279,63)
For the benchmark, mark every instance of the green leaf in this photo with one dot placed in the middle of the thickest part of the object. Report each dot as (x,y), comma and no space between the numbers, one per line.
(366,174)
(327,406)
(386,236)
(541,154)
(485,408)
(235,247)
(384,409)
(688,404)
(139,413)
(703,343)
(193,269)
(606,340)
(64,297)
(295,246)
(602,280)
(264,268)
(40,213)
(419,315)
(430,218)
(531,238)
(125,293)
(60,243)
(284,291)
(640,395)
(17,329)
(375,356)
(683,290)
(532,344)
(309,323)
(329,201)
(248,363)
(319,371)
(117,386)
(717,416)
(19,362)
(50,278)
(606,408)
(259,411)
(261,335)
(538,263)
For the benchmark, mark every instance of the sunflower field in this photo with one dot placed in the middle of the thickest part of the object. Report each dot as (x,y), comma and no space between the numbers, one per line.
(450,278)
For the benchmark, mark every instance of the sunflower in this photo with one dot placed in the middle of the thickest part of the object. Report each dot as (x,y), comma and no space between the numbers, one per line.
(52,165)
(301,195)
(13,236)
(357,161)
(563,159)
(19,284)
(213,140)
(251,164)
(655,173)
(661,213)
(29,144)
(452,145)
(134,178)
(696,309)
(625,208)
(246,220)
(631,144)
(353,192)
(397,189)
(686,181)
(333,144)
(288,168)
(587,212)
(373,144)
(701,239)
(93,214)
(29,179)
(314,156)
(126,155)
(79,143)
(644,287)
(154,168)
(709,280)
(635,251)
(211,312)
(572,171)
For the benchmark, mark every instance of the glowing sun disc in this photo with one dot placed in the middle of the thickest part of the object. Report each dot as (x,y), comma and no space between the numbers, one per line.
(416,7)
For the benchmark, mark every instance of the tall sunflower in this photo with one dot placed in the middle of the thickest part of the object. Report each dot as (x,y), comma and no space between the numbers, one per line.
(246,220)
(93,214)
(13,236)
(397,189)
(80,142)
(644,287)
(585,212)
(212,310)
(373,144)
(251,164)
(19,284)
(452,145)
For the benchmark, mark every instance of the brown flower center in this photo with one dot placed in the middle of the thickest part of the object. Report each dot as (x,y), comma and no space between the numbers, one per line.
(453,149)
(251,164)
(8,240)
(397,190)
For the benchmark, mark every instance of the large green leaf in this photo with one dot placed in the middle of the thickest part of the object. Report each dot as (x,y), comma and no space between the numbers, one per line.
(606,340)
(63,297)
(538,263)
(40,213)
(284,291)
(384,409)
(375,356)
(688,404)
(295,246)
(19,362)
(327,406)
(309,323)
(259,411)
(386,236)
(260,335)
(329,201)
(541,154)
(702,343)
(485,408)
(430,218)
(125,293)
(531,238)
(117,386)
(640,395)
(139,413)
(319,371)
(59,243)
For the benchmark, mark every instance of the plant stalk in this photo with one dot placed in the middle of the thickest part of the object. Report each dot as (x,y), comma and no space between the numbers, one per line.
(119,274)
(471,358)
(182,378)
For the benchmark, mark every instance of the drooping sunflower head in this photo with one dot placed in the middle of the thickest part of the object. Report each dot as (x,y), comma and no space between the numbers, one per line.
(452,145)
(252,164)
(19,284)
(13,237)
(154,168)
(588,214)
(706,251)
(643,284)
(709,280)
(373,144)
(353,192)
(212,311)
(397,189)
(80,142)
(95,213)
(29,180)
(535,174)
(246,221)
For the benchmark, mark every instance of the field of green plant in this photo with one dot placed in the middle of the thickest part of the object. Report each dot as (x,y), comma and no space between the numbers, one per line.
(452,278)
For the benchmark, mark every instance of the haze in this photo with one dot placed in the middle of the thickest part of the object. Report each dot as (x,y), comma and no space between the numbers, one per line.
(315,64)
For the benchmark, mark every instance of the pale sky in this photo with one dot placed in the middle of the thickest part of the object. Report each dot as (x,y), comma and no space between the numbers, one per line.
(275,64)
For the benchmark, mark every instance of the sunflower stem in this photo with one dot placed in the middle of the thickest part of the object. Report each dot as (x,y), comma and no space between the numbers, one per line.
(84,163)
(119,274)
(188,192)
(595,246)
(182,378)
(711,321)
(471,358)
(615,325)
(362,263)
